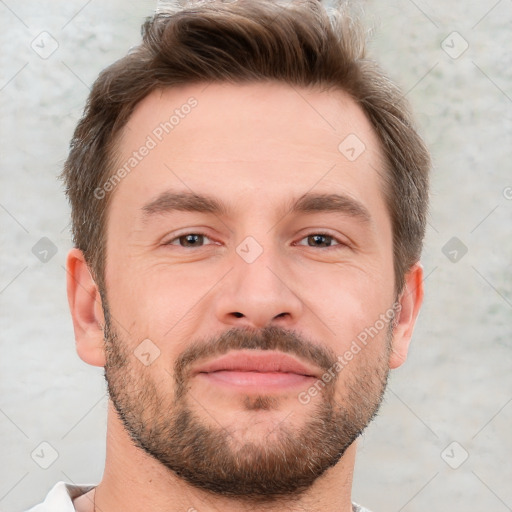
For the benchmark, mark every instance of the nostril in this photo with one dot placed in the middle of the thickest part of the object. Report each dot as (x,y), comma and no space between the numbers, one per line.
(238,315)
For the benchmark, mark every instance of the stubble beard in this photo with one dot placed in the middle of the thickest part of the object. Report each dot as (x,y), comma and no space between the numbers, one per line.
(286,461)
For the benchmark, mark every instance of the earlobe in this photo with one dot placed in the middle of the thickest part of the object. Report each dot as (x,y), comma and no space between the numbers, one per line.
(86,309)
(410,302)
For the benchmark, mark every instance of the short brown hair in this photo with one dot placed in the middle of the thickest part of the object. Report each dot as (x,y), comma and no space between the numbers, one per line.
(299,43)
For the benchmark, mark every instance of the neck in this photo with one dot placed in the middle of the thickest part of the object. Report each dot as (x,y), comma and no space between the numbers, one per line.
(135,481)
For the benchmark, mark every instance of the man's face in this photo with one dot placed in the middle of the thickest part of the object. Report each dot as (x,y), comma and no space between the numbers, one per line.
(225,314)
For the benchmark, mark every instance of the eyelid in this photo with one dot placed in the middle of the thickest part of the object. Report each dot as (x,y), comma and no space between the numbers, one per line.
(178,235)
(341,242)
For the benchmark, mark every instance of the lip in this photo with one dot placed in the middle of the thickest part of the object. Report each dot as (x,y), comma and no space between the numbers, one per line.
(259,361)
(256,381)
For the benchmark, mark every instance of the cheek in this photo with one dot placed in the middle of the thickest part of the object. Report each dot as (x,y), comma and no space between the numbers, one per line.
(158,302)
(345,301)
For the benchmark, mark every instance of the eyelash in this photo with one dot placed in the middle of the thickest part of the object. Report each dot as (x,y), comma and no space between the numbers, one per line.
(338,245)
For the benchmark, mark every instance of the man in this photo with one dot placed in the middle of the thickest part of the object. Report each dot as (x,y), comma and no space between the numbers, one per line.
(248,200)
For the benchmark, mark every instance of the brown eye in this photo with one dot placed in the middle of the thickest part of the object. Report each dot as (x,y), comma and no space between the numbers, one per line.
(189,240)
(320,240)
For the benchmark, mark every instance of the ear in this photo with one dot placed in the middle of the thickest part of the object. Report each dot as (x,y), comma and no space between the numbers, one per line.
(410,301)
(86,309)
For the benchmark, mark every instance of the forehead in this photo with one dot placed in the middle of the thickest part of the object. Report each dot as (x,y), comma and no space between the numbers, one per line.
(260,138)
(253,116)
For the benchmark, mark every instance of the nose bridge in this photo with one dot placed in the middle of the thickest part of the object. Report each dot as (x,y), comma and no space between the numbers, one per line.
(258,267)
(257,291)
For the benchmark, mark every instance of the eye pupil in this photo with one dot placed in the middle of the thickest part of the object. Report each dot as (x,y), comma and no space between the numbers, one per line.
(197,240)
(191,240)
(319,240)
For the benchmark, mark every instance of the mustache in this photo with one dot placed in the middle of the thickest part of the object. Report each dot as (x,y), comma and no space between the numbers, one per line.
(268,338)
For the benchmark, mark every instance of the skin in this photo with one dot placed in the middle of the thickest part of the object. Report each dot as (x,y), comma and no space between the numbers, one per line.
(256,148)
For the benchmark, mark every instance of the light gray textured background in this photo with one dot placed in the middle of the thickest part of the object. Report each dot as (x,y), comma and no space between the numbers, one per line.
(456,386)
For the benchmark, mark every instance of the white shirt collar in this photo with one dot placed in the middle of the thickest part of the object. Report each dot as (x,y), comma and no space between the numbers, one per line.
(61,496)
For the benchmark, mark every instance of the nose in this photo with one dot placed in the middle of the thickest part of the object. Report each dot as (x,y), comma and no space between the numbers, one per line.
(258,293)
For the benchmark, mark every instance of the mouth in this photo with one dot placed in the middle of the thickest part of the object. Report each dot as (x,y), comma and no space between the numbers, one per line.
(257,369)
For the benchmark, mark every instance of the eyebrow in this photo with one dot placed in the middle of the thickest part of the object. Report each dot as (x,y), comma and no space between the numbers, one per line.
(310,202)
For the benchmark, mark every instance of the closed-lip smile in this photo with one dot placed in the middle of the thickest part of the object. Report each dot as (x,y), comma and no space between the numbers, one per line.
(256,368)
